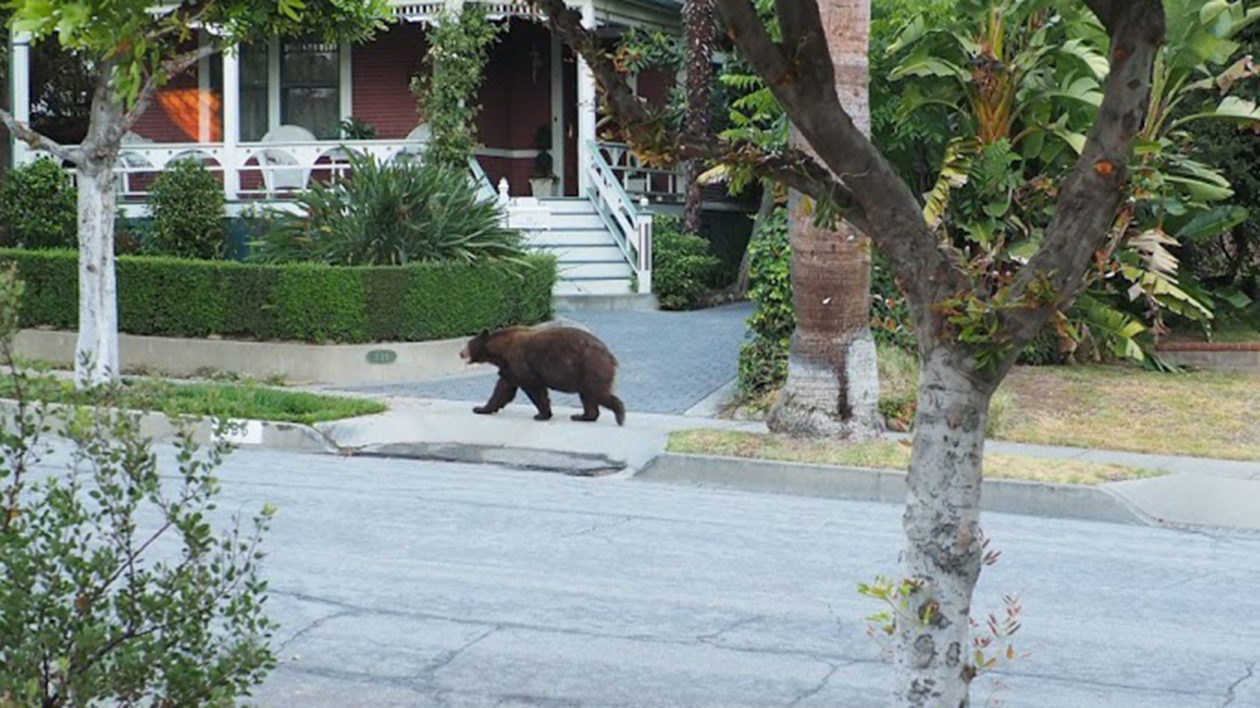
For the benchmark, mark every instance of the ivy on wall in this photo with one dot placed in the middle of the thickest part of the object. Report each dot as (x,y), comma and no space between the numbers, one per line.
(446,86)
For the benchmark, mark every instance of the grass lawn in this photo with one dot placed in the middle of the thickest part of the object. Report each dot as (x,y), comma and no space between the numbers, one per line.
(1109,407)
(230,400)
(1204,414)
(890,455)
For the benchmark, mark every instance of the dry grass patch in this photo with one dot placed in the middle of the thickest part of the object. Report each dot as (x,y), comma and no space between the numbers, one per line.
(1202,414)
(884,454)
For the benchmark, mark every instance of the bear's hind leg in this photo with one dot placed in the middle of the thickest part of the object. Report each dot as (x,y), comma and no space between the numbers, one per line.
(615,405)
(538,394)
(504,392)
(590,409)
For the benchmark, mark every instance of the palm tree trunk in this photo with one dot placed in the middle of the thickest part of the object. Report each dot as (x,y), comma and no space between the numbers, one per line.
(698,21)
(832,387)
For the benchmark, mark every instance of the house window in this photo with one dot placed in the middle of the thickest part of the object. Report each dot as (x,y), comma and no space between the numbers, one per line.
(309,95)
(255,120)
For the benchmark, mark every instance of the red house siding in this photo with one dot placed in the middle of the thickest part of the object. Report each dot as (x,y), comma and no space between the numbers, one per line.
(174,113)
(516,102)
(381,80)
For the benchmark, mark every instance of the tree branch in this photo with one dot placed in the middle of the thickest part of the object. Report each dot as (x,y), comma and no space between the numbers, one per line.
(896,223)
(805,44)
(37,140)
(644,126)
(1105,11)
(1091,193)
(168,68)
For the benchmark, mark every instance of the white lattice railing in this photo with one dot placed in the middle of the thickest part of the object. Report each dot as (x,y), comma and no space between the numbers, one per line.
(428,9)
(272,171)
(658,185)
(630,224)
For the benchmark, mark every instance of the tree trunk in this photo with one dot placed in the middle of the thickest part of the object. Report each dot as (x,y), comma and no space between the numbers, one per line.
(832,387)
(698,20)
(739,289)
(96,355)
(934,664)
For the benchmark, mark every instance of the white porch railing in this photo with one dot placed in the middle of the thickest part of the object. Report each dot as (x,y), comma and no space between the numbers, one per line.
(424,10)
(260,172)
(668,185)
(630,225)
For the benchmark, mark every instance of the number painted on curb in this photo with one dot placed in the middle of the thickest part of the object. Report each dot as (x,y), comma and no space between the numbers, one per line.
(382,356)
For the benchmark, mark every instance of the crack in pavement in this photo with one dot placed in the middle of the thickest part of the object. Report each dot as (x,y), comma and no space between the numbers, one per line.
(646,638)
(712,637)
(599,526)
(316,625)
(403,682)
(1230,695)
(445,658)
(821,685)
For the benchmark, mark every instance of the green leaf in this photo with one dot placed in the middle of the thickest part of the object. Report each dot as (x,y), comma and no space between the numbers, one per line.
(922,64)
(1238,300)
(1092,58)
(1230,108)
(1212,222)
(1075,140)
(1202,190)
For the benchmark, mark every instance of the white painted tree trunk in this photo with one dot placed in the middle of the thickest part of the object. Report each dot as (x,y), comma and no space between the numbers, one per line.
(933,657)
(96,354)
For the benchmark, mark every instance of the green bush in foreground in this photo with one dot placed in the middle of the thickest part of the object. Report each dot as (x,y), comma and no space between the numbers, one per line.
(298,302)
(115,586)
(38,207)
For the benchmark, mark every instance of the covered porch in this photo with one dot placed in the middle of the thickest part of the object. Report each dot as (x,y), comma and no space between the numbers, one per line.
(272,118)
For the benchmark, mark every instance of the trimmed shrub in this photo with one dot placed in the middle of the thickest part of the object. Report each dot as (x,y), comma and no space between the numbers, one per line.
(683,266)
(303,302)
(38,207)
(188,212)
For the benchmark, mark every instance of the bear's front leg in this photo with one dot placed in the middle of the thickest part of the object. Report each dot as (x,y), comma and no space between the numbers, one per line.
(538,394)
(504,392)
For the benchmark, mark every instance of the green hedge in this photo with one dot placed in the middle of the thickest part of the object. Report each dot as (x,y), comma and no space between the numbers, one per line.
(312,303)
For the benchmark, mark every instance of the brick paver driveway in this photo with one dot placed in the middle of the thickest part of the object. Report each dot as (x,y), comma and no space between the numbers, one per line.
(669,361)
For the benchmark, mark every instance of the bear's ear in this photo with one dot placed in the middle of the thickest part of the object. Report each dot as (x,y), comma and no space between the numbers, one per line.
(484,333)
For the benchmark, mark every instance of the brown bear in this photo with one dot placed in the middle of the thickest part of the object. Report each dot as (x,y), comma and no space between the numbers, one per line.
(535,359)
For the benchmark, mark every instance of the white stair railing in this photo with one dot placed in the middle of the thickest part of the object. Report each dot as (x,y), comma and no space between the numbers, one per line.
(658,184)
(630,225)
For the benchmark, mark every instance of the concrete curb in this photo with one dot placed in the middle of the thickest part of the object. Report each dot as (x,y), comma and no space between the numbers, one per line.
(888,486)
(260,434)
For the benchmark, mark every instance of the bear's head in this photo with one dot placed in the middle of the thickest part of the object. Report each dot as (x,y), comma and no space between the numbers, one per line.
(474,352)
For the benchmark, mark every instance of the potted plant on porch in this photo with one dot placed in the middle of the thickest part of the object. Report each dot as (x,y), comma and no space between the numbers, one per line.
(543,180)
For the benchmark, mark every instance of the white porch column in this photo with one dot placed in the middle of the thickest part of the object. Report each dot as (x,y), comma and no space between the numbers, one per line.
(586,104)
(20,89)
(231,121)
(557,111)
(345,79)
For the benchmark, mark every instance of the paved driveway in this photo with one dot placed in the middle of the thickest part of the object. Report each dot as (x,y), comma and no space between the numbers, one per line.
(669,361)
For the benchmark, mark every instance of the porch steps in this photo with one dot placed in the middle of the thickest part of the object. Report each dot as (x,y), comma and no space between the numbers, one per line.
(590,261)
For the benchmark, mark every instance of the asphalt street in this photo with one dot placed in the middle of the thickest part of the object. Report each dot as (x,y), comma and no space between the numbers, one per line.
(427,584)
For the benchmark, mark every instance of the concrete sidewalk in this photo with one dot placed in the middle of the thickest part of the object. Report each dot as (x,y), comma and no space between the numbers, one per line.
(1197,492)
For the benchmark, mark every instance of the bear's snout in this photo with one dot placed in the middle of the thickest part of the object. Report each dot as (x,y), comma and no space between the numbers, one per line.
(463,353)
